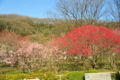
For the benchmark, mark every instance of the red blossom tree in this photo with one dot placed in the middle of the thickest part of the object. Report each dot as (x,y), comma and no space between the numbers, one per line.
(90,41)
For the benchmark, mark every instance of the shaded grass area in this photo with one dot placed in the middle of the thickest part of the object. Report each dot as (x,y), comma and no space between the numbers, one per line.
(65,67)
(8,70)
(70,71)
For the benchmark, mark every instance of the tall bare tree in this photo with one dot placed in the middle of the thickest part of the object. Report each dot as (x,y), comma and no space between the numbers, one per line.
(114,10)
(79,10)
(113,15)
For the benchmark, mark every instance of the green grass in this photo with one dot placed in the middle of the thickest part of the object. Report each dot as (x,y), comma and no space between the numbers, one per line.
(6,70)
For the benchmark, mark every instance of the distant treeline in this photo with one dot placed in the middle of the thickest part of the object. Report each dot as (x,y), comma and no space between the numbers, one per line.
(42,30)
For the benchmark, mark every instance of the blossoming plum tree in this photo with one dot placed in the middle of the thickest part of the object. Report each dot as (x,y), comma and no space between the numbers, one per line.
(8,42)
(25,55)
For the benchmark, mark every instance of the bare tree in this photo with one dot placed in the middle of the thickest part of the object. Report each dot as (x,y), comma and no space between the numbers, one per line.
(79,10)
(114,10)
(95,11)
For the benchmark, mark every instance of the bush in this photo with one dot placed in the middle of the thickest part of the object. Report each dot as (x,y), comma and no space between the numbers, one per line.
(46,76)
(76,75)
(51,76)
(12,76)
(115,76)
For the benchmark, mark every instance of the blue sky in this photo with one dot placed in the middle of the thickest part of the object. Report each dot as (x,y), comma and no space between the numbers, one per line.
(32,8)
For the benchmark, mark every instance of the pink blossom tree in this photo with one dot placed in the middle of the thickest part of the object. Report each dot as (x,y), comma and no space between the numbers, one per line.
(25,55)
(54,57)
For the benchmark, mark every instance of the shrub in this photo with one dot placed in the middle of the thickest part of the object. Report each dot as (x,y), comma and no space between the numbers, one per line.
(12,76)
(76,75)
(46,76)
(51,76)
(115,76)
